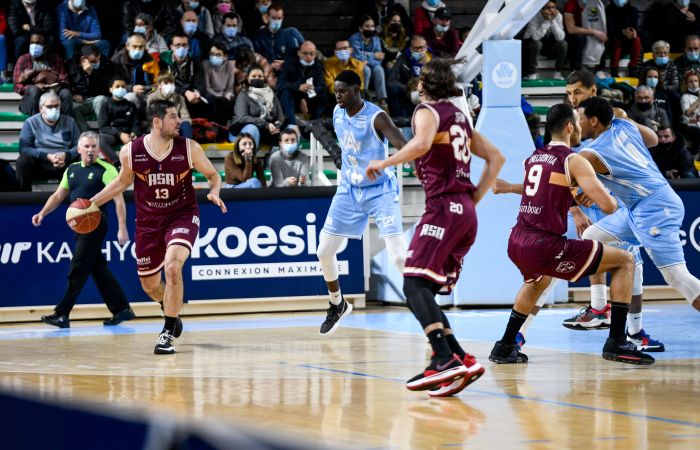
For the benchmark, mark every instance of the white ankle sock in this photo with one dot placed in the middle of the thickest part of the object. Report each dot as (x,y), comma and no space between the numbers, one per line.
(634,322)
(336,297)
(599,296)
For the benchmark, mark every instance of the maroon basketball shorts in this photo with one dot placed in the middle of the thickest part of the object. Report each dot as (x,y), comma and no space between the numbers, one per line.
(442,238)
(156,233)
(539,254)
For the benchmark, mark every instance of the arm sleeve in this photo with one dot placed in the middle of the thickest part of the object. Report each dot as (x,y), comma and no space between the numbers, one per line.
(62,10)
(95,32)
(109,174)
(103,121)
(75,134)
(558,28)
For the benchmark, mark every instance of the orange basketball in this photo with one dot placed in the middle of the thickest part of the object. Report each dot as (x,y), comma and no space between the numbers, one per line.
(83,216)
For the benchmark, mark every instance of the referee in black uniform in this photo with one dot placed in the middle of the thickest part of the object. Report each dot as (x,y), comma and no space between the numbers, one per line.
(84,179)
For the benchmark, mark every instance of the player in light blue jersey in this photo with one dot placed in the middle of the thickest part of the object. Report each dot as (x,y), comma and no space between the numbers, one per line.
(654,211)
(363,130)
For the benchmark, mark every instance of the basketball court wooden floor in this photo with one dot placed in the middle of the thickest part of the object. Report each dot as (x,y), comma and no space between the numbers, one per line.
(276,373)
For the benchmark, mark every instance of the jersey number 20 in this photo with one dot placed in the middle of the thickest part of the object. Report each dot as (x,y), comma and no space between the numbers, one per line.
(458,137)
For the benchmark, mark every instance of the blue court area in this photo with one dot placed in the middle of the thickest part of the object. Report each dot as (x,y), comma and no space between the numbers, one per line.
(676,325)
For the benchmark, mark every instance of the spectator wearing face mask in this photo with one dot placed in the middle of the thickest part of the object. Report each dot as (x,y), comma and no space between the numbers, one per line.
(25,17)
(167,91)
(38,72)
(423,16)
(189,77)
(367,47)
(340,61)
(90,75)
(245,59)
(672,156)
(256,16)
(219,80)
(165,17)
(661,62)
(690,59)
(205,24)
(663,99)
(220,10)
(257,110)
(199,42)
(644,111)
(47,143)
(155,43)
(289,166)
(301,86)
(275,43)
(394,39)
(129,63)
(118,120)
(79,25)
(690,108)
(408,65)
(231,37)
(443,40)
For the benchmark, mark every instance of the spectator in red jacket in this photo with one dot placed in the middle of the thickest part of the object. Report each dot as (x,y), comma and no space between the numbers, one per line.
(443,40)
(423,17)
(40,71)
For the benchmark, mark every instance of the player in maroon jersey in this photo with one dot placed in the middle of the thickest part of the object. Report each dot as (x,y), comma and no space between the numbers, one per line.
(442,146)
(539,249)
(167,216)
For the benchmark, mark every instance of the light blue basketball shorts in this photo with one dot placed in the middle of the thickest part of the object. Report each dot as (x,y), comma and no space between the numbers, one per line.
(596,215)
(352,206)
(655,224)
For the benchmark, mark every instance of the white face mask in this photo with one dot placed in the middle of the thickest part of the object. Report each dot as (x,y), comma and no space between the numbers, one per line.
(167,89)
(415,97)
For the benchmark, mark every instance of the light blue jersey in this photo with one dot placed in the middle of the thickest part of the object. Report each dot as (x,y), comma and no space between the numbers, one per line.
(654,211)
(632,174)
(360,144)
(357,197)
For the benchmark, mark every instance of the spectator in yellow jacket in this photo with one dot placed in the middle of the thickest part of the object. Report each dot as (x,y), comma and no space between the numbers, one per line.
(342,60)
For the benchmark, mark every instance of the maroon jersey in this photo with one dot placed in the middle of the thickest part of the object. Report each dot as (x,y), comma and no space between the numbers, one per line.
(162,186)
(445,167)
(546,190)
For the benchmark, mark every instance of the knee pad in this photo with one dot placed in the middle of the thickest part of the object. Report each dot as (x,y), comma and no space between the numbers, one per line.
(638,281)
(679,278)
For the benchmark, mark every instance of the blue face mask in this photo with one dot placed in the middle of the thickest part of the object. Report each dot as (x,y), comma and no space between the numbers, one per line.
(189,27)
(119,93)
(180,52)
(652,82)
(620,3)
(442,28)
(141,30)
(230,32)
(290,148)
(194,5)
(342,55)
(693,56)
(95,66)
(683,3)
(306,63)
(135,54)
(275,25)
(418,56)
(433,3)
(216,60)
(36,50)
(78,4)
(263,9)
(661,60)
(52,114)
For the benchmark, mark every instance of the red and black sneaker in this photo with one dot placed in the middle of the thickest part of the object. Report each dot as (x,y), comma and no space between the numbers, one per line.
(474,372)
(439,371)
(626,352)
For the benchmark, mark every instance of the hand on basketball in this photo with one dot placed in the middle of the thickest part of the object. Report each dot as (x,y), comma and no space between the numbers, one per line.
(217,201)
(374,169)
(37,219)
